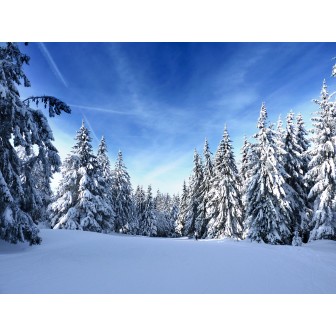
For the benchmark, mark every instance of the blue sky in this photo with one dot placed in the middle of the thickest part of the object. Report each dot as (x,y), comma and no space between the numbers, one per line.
(156,102)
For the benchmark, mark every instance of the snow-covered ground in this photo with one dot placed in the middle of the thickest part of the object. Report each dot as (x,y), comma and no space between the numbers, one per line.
(85,262)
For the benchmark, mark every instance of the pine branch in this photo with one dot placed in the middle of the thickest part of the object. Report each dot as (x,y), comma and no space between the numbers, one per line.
(54,105)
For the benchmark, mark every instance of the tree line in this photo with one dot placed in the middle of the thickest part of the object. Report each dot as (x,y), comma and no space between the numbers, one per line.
(283,191)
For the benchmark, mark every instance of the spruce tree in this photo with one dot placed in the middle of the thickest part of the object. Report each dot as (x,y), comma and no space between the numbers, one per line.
(183,211)
(195,214)
(139,207)
(225,204)
(207,184)
(23,126)
(321,173)
(148,225)
(36,184)
(268,213)
(163,207)
(79,201)
(122,195)
(244,166)
(106,178)
(174,212)
(245,173)
(303,144)
(294,163)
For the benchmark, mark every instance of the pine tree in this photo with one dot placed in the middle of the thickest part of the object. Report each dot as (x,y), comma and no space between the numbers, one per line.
(321,173)
(23,126)
(35,183)
(139,208)
(245,173)
(148,225)
(183,211)
(294,165)
(279,139)
(106,178)
(174,212)
(225,205)
(122,195)
(303,143)
(195,214)
(163,207)
(268,212)
(79,202)
(244,167)
(207,184)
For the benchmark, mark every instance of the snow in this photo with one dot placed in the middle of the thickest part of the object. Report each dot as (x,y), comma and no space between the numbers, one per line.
(71,261)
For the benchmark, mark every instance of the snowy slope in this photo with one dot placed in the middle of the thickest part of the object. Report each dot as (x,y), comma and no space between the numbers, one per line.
(85,262)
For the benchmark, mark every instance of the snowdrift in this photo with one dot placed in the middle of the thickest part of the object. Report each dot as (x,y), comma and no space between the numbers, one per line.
(86,262)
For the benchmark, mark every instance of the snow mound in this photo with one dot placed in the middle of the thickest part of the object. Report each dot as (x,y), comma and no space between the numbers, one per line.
(86,262)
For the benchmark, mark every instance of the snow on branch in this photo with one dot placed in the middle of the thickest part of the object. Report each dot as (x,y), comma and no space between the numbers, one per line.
(55,105)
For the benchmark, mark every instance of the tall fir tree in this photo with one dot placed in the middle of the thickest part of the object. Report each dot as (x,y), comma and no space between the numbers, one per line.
(122,195)
(183,211)
(207,184)
(225,209)
(304,144)
(37,183)
(80,200)
(106,177)
(268,213)
(279,139)
(294,166)
(149,221)
(23,126)
(164,214)
(244,166)
(195,214)
(321,173)
(174,212)
(245,173)
(139,209)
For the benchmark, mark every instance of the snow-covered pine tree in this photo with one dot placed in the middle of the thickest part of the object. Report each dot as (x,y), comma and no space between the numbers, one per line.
(26,127)
(208,174)
(304,144)
(321,173)
(148,225)
(294,166)
(244,166)
(79,201)
(139,208)
(183,211)
(268,213)
(122,195)
(36,183)
(225,204)
(279,138)
(174,211)
(245,172)
(160,214)
(195,215)
(106,177)
(165,224)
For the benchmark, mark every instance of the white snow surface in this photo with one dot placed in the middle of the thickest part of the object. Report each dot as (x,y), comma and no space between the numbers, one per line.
(71,261)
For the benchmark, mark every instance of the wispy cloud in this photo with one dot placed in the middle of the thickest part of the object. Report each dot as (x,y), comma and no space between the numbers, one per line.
(128,77)
(90,127)
(103,110)
(52,63)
